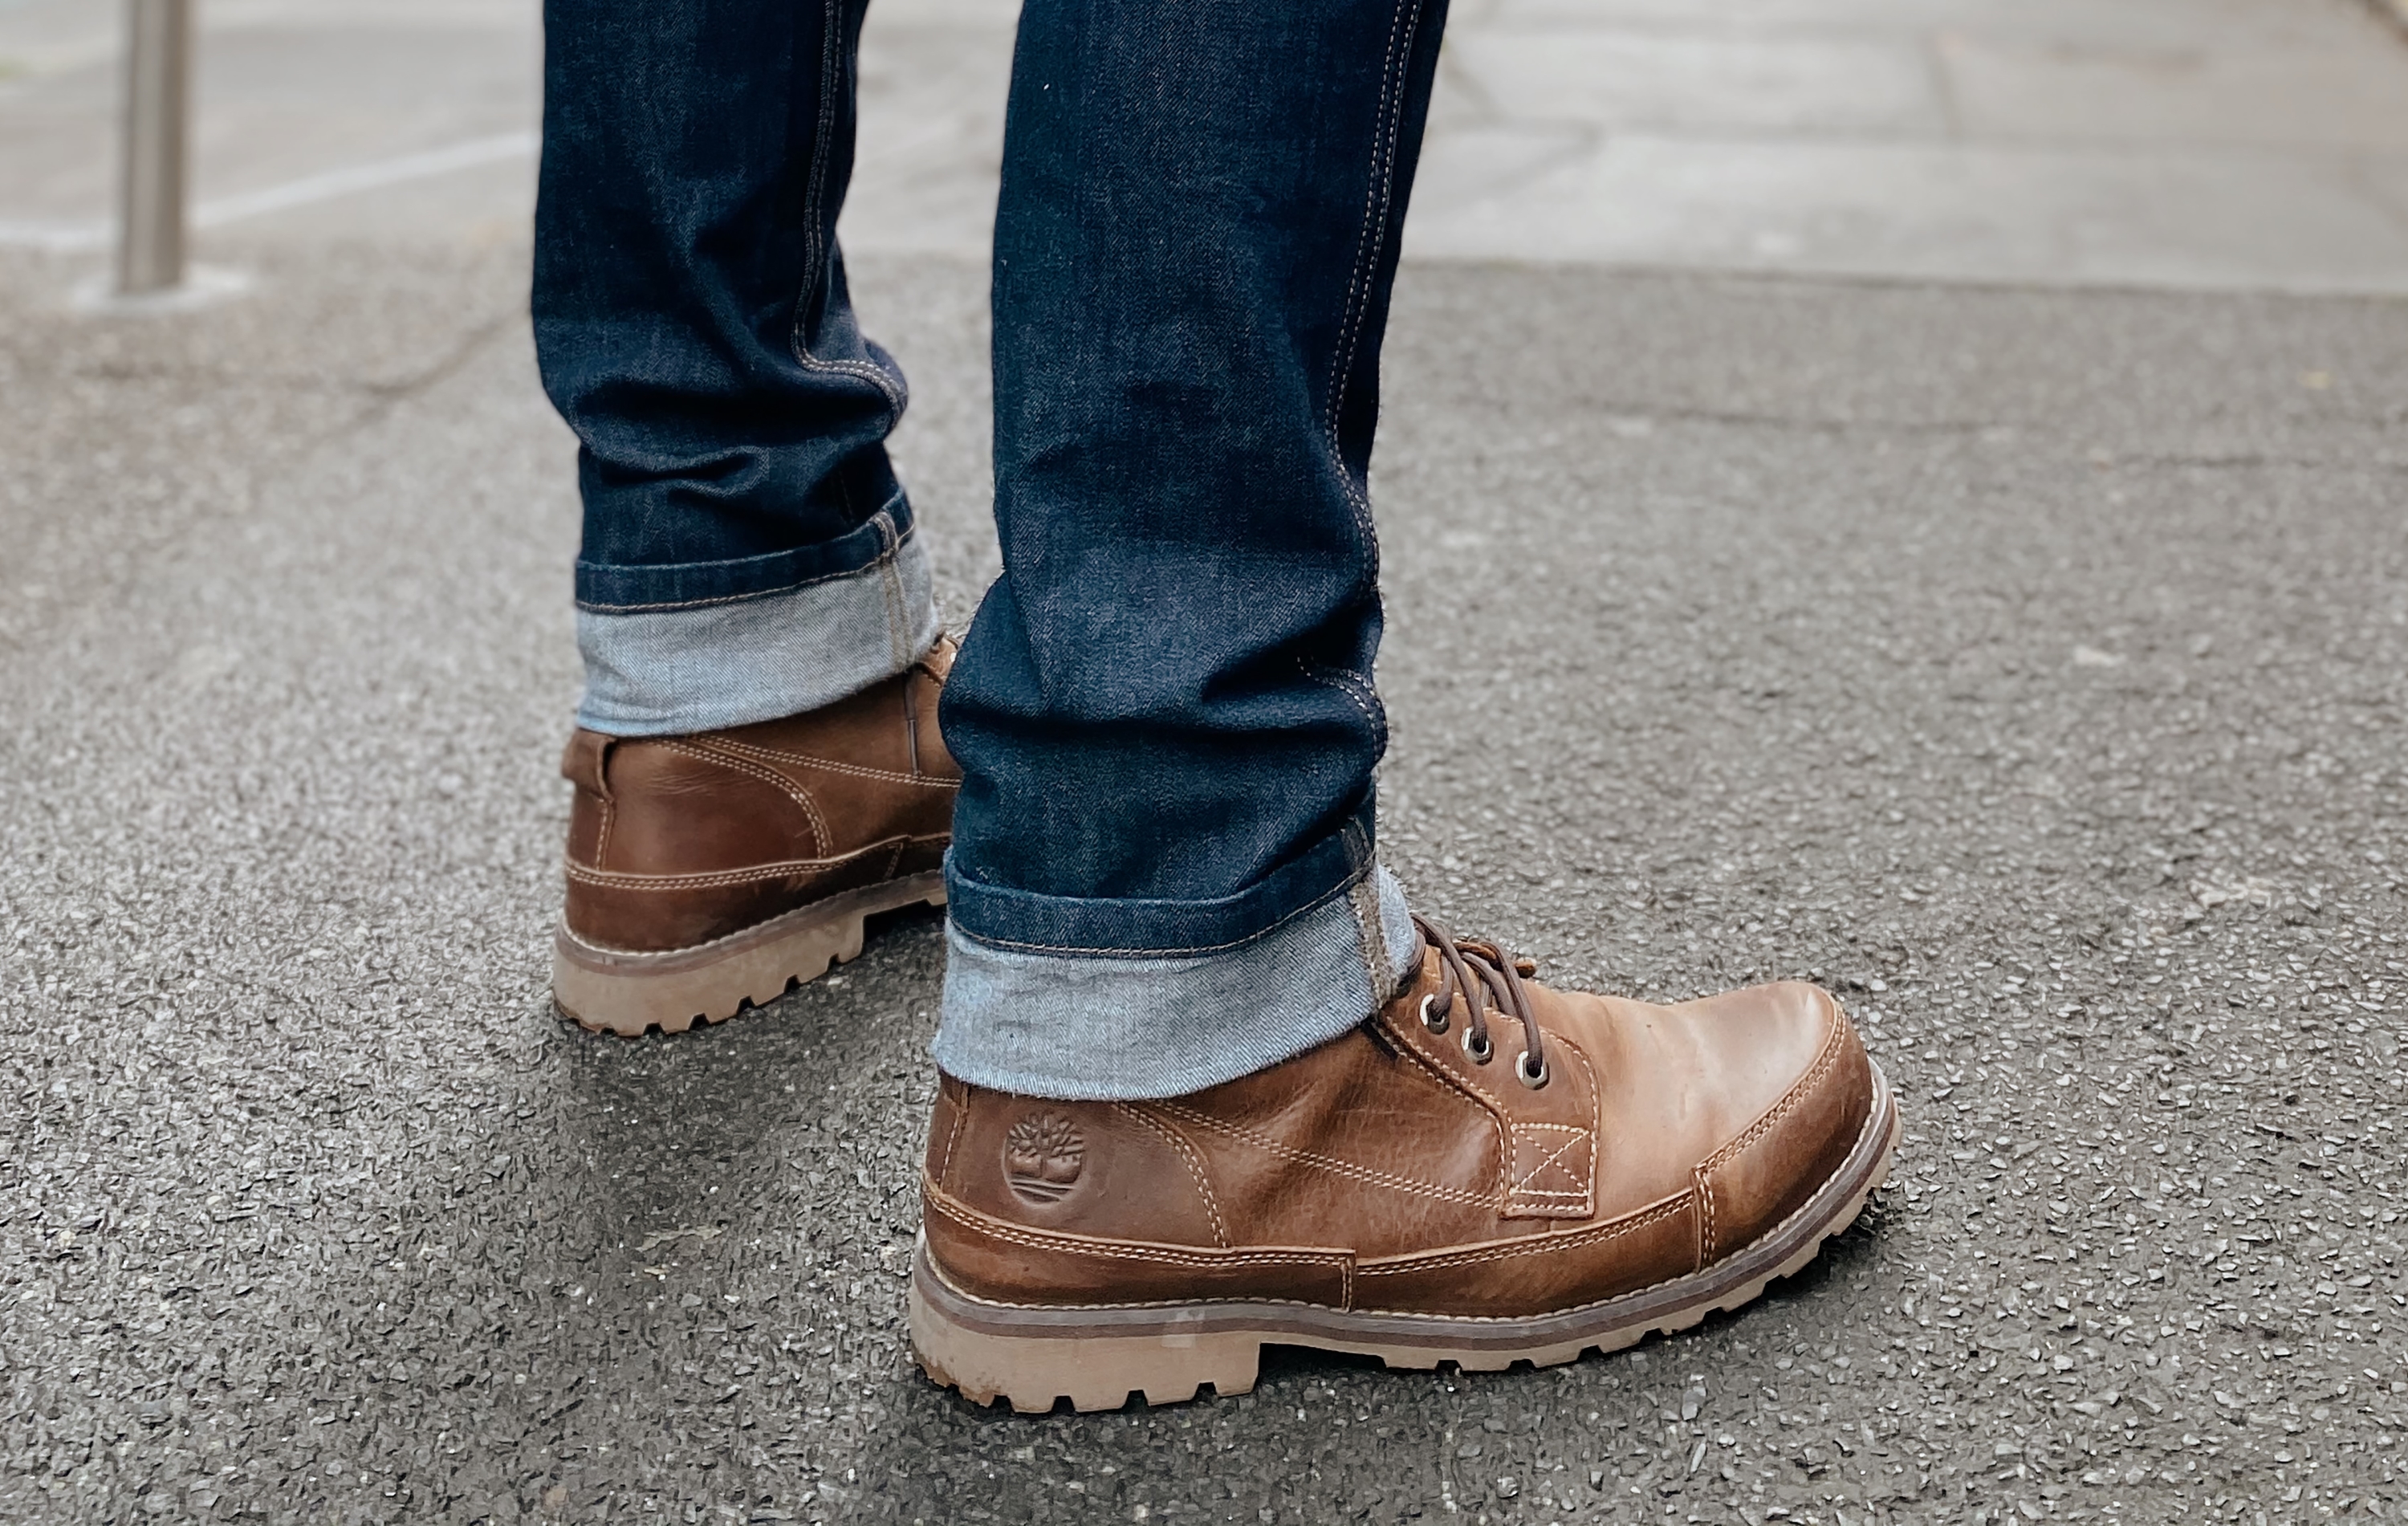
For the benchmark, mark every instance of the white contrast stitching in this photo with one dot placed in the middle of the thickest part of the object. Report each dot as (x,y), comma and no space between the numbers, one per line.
(883,776)
(1522,1185)
(1328,678)
(1460,1085)
(1367,1174)
(1536,1241)
(1376,199)
(953,1137)
(1824,1060)
(1122,1250)
(1531,1243)
(1195,1168)
(815,268)
(794,792)
(790,869)
(1797,1093)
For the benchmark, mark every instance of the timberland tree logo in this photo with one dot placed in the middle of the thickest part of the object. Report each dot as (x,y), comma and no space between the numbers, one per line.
(1042,1156)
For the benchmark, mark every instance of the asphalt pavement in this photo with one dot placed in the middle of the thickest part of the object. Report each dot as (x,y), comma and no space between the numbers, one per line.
(2031,667)
(2208,144)
(1898,539)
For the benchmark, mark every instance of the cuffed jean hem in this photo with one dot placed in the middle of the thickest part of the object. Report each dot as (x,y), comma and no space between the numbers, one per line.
(665,672)
(1118,1028)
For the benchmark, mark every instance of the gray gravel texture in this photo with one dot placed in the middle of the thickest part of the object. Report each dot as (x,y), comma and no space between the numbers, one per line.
(2029,666)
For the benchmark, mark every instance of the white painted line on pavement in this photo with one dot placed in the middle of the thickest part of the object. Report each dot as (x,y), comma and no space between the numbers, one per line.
(66,237)
(367,177)
(51,238)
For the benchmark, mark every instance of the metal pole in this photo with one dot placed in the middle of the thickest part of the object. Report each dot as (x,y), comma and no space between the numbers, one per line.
(158,98)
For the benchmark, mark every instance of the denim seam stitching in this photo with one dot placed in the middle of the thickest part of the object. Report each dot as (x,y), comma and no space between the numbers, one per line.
(1368,697)
(898,618)
(1344,683)
(832,48)
(1377,199)
(1013,946)
(1363,243)
(1371,938)
(891,550)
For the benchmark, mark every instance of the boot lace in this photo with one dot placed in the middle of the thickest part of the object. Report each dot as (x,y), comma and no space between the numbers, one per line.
(1485,976)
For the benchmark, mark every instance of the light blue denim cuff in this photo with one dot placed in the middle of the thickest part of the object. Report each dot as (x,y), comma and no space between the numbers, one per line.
(700,667)
(1122,1029)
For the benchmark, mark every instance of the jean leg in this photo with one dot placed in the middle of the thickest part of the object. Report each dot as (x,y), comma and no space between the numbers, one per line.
(1163,872)
(747,552)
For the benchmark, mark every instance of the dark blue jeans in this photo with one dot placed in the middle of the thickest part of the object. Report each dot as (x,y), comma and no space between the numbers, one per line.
(1163,873)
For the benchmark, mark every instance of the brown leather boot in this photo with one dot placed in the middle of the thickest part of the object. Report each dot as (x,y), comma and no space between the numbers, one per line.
(711,872)
(1485,1172)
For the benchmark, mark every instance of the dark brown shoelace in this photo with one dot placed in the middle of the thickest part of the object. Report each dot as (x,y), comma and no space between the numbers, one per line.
(1484,975)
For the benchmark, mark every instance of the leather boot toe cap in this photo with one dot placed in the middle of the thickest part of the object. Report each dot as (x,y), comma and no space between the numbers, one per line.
(1792,1055)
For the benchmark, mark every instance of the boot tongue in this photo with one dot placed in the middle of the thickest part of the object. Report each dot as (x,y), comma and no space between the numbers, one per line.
(1415,970)
(940,658)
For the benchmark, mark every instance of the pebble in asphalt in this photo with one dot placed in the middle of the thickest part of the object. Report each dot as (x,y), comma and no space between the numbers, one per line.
(2028,667)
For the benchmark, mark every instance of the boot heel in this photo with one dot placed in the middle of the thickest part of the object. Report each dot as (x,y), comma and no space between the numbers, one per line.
(631,994)
(1038,1368)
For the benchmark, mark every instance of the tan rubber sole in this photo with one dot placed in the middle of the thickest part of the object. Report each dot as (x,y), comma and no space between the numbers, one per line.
(1097,1357)
(606,991)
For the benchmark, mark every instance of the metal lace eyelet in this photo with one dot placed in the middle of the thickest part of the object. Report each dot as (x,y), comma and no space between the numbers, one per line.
(1532,1079)
(1482,1054)
(1434,1021)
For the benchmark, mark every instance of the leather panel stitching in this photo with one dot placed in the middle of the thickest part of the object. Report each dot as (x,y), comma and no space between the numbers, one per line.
(1522,1183)
(791,869)
(883,776)
(1187,1153)
(953,1137)
(1124,1250)
(771,777)
(1463,1087)
(1367,1174)
(1823,1062)
(1532,1245)
(1545,1241)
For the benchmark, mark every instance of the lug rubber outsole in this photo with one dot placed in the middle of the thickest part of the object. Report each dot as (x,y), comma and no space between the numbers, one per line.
(606,991)
(1097,1356)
